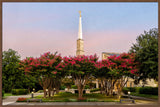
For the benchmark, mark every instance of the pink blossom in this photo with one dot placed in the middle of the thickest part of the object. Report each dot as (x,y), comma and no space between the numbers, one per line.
(54,72)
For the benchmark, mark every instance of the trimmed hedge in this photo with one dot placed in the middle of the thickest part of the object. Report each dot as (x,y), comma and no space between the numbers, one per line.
(132,89)
(20,91)
(125,90)
(96,89)
(149,90)
(74,87)
(86,86)
(141,90)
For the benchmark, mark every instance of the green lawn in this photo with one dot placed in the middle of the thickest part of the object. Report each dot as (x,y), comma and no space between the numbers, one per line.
(7,94)
(69,97)
(144,95)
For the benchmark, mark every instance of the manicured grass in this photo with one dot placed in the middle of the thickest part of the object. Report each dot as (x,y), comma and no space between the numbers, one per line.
(69,97)
(7,94)
(145,95)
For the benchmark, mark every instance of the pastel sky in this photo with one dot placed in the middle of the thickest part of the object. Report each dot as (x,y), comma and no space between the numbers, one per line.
(35,28)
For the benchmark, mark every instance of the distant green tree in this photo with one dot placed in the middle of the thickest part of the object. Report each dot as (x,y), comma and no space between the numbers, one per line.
(29,82)
(10,72)
(146,49)
(12,77)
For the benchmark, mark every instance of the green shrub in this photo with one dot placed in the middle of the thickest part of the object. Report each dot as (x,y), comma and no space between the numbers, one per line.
(74,87)
(66,100)
(62,87)
(40,91)
(92,100)
(137,89)
(20,91)
(73,100)
(2,93)
(149,90)
(96,89)
(87,87)
(132,89)
(94,95)
(125,90)
(65,94)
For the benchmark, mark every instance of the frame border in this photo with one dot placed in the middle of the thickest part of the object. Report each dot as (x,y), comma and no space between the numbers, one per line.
(1,2)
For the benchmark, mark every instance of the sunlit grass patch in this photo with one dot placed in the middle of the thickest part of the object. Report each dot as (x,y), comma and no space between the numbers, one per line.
(69,97)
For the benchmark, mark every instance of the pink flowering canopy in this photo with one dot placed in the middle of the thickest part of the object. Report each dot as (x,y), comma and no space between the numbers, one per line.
(124,64)
(117,66)
(48,63)
(83,65)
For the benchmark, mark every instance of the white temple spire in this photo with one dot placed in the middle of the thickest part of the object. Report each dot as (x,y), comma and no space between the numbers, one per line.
(80,26)
(80,50)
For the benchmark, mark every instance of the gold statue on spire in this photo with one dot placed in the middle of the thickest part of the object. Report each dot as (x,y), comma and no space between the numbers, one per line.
(80,13)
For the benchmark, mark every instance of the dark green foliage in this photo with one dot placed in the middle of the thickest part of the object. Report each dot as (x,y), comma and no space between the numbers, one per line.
(2,93)
(74,87)
(10,72)
(86,86)
(141,90)
(96,89)
(65,94)
(149,90)
(62,87)
(146,50)
(12,77)
(125,90)
(137,89)
(94,95)
(132,89)
(20,91)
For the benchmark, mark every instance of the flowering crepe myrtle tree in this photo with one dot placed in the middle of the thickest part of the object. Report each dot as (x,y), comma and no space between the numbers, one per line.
(101,74)
(80,68)
(115,71)
(48,68)
(105,76)
(123,66)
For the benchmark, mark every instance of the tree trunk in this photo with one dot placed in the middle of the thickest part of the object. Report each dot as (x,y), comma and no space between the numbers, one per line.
(102,87)
(57,90)
(53,92)
(44,90)
(80,91)
(29,90)
(49,93)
